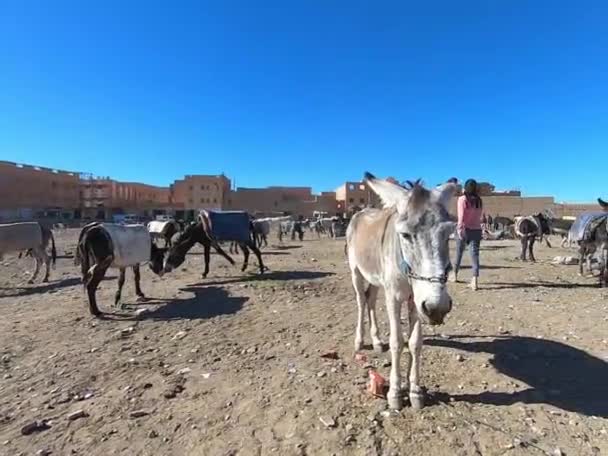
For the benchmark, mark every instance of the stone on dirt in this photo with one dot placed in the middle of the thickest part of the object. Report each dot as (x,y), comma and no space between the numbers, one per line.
(35,426)
(328,421)
(76,415)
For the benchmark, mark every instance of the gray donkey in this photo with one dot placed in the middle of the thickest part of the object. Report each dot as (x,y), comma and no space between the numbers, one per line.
(404,249)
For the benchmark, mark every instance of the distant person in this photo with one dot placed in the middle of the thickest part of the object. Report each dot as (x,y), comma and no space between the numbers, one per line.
(490,225)
(469,231)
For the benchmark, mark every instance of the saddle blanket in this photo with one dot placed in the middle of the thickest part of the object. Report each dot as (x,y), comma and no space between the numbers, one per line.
(230,225)
(584,225)
(131,243)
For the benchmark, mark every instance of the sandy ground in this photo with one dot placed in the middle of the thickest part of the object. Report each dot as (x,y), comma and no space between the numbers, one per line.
(232,364)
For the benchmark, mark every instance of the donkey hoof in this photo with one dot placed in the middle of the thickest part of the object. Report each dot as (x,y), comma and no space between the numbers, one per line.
(417,399)
(395,402)
(358,345)
(141,298)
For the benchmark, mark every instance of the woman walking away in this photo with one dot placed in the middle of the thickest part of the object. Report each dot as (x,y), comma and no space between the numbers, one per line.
(470,209)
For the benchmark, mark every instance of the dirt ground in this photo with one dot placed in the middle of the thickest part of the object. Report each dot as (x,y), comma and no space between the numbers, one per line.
(231,365)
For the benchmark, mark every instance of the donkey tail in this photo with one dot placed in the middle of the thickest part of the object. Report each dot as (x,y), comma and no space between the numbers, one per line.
(82,258)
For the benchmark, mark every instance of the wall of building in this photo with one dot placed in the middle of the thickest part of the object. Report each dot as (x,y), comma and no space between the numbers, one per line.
(510,206)
(574,209)
(36,191)
(103,197)
(355,194)
(272,201)
(195,192)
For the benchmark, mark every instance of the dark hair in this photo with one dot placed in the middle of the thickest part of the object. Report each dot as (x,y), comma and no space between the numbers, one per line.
(471,193)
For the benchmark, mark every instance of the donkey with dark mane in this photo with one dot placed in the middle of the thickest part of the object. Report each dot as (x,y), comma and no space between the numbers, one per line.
(105,245)
(528,229)
(402,248)
(212,227)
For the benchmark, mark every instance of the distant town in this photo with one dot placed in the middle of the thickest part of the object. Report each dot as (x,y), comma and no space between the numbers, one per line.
(30,192)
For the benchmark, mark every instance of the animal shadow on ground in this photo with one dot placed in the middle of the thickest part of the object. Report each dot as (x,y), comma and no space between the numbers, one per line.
(277,275)
(42,288)
(286,247)
(208,302)
(557,374)
(494,247)
(514,285)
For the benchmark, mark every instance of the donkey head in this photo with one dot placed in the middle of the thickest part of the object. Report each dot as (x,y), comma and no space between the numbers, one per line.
(423,225)
(544,223)
(157,255)
(177,253)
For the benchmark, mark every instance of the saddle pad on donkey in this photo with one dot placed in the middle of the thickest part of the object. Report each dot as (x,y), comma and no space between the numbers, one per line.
(584,224)
(229,225)
(131,244)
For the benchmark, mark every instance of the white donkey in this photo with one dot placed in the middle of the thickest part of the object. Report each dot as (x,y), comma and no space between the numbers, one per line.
(403,248)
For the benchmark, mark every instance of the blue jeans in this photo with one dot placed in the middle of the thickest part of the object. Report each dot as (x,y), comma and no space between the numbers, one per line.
(473,239)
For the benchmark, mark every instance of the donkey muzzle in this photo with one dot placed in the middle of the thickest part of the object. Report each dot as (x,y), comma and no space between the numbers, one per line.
(434,312)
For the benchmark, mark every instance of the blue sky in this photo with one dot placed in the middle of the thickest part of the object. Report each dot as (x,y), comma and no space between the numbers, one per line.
(311,93)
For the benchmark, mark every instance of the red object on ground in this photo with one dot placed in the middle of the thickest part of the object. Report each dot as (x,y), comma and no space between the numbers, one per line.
(361,358)
(376,384)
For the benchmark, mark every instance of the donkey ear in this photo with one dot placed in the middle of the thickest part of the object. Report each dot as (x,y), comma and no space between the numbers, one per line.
(392,195)
(444,193)
(602,203)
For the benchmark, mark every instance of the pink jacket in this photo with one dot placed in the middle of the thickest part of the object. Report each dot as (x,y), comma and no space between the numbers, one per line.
(469,217)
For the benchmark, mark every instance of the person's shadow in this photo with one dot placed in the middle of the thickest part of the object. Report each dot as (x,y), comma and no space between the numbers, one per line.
(557,374)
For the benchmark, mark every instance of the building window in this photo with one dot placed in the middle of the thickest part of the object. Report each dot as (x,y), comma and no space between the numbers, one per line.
(362,200)
(351,187)
(276,204)
(202,200)
(214,200)
(351,200)
(191,188)
(190,200)
(202,187)
(362,187)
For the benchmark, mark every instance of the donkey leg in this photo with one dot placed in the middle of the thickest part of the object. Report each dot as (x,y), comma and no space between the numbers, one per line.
(524,248)
(137,279)
(47,265)
(531,248)
(38,259)
(415,347)
(121,282)
(245,257)
(393,307)
(207,256)
(372,295)
(581,260)
(258,254)
(359,286)
(221,251)
(94,276)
